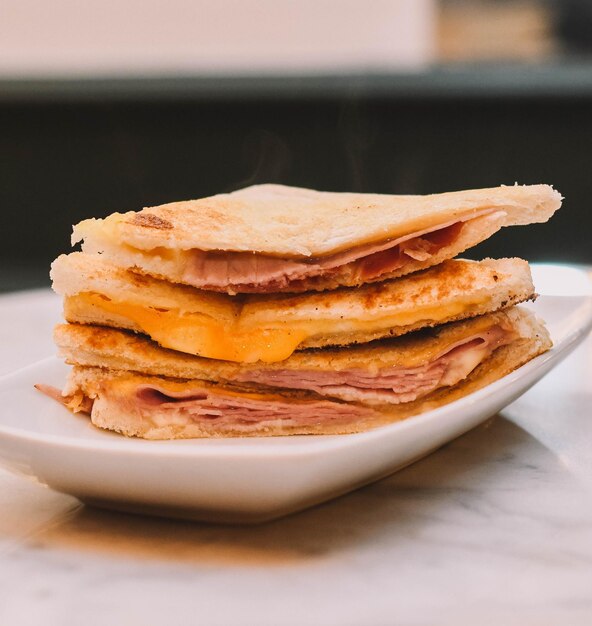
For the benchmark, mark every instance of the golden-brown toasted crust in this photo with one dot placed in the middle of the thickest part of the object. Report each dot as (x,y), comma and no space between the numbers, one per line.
(453,290)
(290,221)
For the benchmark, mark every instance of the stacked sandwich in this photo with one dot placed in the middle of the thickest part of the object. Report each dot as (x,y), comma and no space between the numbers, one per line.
(276,310)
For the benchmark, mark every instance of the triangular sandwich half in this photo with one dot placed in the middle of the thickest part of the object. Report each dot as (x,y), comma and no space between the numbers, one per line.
(273,238)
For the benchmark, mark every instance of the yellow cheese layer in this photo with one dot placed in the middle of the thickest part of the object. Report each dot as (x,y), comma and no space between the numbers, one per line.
(242,340)
(196,333)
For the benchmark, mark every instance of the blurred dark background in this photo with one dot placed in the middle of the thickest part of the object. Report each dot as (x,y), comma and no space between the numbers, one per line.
(80,146)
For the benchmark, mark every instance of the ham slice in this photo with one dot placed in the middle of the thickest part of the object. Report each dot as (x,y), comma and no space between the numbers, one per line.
(227,409)
(200,404)
(257,273)
(391,385)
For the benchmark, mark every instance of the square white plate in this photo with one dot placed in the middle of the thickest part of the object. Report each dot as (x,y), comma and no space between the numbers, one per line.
(250,480)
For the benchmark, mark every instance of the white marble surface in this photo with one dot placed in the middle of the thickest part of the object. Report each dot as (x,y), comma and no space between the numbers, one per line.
(495,528)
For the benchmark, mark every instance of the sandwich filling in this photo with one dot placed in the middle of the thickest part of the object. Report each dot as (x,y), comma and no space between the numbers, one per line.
(248,272)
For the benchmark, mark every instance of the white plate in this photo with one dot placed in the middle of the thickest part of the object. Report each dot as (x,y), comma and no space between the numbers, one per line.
(248,480)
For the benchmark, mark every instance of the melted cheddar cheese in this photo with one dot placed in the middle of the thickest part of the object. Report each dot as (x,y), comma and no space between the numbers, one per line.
(198,333)
(241,339)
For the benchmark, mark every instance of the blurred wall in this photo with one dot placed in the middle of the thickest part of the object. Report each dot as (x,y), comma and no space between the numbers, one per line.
(64,161)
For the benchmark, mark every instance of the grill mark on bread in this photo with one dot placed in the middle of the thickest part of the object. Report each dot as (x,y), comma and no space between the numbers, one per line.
(382,294)
(149,220)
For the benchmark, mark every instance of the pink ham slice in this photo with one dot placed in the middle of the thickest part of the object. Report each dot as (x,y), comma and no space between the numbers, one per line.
(257,273)
(211,404)
(391,385)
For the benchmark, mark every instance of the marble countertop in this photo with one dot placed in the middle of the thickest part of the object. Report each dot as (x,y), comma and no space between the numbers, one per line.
(494,528)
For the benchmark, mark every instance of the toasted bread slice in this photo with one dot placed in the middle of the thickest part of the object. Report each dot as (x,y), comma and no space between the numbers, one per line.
(272,238)
(295,222)
(271,328)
